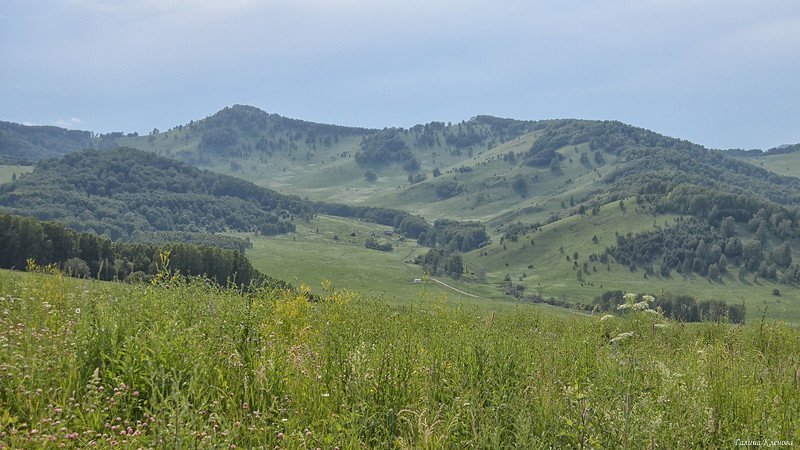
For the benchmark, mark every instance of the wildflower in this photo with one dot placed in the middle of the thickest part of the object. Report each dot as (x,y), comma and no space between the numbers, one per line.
(606,317)
(648,298)
(622,336)
(624,306)
(661,325)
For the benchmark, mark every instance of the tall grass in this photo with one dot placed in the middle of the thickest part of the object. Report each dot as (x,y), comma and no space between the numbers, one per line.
(186,364)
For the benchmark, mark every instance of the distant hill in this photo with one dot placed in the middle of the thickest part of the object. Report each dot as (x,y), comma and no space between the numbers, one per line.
(665,210)
(122,191)
(22,144)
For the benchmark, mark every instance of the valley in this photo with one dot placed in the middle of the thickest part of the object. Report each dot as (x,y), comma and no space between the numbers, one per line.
(545,192)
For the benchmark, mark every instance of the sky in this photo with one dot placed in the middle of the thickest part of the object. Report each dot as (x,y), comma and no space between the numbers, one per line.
(722,73)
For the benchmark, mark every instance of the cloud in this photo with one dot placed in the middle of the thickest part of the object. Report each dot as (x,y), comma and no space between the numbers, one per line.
(72,122)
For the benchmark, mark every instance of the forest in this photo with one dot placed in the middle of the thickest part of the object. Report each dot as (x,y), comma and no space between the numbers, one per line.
(118,192)
(26,241)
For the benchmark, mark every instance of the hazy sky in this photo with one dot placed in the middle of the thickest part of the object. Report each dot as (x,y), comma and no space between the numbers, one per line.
(723,73)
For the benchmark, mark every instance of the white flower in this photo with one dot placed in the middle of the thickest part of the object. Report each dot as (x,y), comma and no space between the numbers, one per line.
(622,336)
(629,297)
(624,306)
(661,325)
(606,317)
(648,298)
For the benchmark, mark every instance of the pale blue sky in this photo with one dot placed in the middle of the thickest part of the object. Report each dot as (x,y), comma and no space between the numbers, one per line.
(720,73)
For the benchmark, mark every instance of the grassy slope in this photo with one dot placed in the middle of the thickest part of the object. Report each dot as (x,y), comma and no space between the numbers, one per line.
(316,171)
(7,172)
(553,275)
(489,196)
(311,257)
(106,364)
(787,164)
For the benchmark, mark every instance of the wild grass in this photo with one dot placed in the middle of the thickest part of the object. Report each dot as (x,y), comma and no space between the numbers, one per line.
(187,364)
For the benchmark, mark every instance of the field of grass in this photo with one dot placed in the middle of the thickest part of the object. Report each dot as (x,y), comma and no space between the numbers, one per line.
(537,262)
(7,172)
(188,365)
(311,256)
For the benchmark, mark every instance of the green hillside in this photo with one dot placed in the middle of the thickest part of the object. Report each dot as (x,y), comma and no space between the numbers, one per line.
(123,191)
(544,263)
(699,222)
(787,164)
(322,161)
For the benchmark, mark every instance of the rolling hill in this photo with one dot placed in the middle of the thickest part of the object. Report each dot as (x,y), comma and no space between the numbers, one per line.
(639,209)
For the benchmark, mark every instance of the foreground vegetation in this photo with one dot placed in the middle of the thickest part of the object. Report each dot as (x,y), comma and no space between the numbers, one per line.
(184,364)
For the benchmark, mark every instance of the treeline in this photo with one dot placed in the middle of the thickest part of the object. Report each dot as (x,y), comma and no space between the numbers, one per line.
(373,244)
(660,171)
(87,255)
(740,234)
(383,216)
(201,239)
(442,262)
(755,153)
(714,205)
(454,235)
(683,308)
(693,246)
(387,146)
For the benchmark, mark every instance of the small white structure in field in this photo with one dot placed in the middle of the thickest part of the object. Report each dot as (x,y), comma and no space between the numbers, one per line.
(417,280)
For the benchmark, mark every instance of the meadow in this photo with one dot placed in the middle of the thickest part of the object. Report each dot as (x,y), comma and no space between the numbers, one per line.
(185,364)
(7,172)
(312,256)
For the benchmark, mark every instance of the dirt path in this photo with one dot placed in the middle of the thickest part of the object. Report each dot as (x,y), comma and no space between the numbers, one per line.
(456,289)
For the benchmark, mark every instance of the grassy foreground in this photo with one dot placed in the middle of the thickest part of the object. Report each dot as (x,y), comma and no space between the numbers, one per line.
(191,365)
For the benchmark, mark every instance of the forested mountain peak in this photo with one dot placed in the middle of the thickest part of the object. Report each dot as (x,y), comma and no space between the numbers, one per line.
(253,120)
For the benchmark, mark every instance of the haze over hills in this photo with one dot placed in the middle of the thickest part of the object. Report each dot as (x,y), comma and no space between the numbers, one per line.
(572,208)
